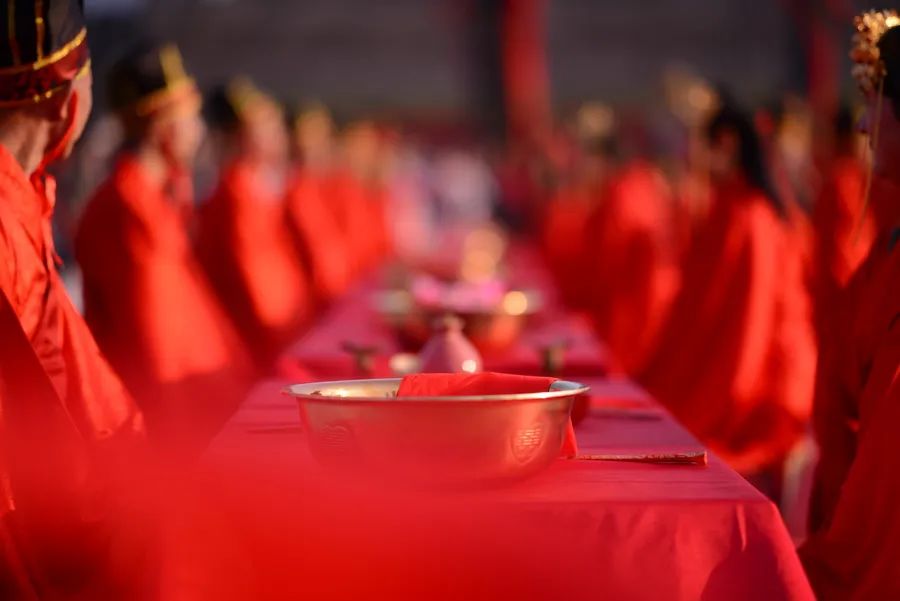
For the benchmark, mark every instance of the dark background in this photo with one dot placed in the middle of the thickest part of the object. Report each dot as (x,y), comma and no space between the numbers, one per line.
(423,56)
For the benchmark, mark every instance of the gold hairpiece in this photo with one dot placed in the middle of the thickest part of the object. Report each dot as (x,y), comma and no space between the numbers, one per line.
(869,70)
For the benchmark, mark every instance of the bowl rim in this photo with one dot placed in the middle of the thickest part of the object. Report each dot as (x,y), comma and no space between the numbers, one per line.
(558,390)
(536,305)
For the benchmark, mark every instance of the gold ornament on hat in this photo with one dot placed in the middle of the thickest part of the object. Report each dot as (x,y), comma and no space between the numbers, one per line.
(246,97)
(178,84)
(869,70)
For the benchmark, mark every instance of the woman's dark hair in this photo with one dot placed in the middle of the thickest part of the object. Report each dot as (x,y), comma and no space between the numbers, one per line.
(889,47)
(844,122)
(751,160)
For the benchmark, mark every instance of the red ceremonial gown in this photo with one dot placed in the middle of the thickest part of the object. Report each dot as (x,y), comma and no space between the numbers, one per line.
(91,392)
(75,394)
(246,250)
(150,308)
(736,356)
(358,208)
(853,555)
(850,341)
(843,234)
(320,239)
(632,259)
(564,242)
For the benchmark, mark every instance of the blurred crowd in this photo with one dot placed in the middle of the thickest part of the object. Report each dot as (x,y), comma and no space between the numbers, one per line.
(707,248)
(708,271)
(739,262)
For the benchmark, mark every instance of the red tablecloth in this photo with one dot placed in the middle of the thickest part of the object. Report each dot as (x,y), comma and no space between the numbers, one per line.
(581,530)
(319,353)
(257,523)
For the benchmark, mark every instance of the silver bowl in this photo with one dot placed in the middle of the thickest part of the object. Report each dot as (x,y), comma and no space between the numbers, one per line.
(361,426)
(490,329)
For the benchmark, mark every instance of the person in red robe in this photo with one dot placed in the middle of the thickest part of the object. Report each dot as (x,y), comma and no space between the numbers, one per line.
(849,337)
(785,128)
(609,240)
(633,269)
(852,336)
(357,197)
(736,356)
(851,552)
(564,226)
(844,232)
(318,237)
(242,236)
(855,558)
(853,522)
(145,296)
(67,424)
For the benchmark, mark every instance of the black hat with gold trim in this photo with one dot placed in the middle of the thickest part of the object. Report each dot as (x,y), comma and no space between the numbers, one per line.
(43,48)
(150,79)
(228,105)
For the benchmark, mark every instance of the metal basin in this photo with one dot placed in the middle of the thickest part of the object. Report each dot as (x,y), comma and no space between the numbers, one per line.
(490,329)
(362,427)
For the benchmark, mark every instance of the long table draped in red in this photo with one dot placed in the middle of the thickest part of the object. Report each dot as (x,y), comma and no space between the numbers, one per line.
(580,530)
(592,529)
(319,353)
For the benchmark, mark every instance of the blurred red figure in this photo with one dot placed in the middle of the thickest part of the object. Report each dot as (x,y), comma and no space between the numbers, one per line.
(564,227)
(243,239)
(853,520)
(357,197)
(854,557)
(608,237)
(844,231)
(633,263)
(736,356)
(787,131)
(850,335)
(319,238)
(65,417)
(146,299)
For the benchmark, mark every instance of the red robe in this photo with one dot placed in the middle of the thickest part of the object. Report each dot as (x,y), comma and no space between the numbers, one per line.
(91,392)
(692,204)
(736,357)
(843,235)
(359,209)
(151,309)
(320,240)
(850,340)
(854,554)
(884,205)
(71,384)
(564,242)
(246,250)
(632,263)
